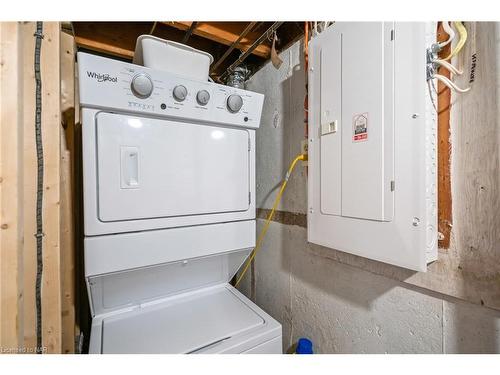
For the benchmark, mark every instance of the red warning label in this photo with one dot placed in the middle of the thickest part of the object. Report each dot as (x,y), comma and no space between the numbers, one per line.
(360,127)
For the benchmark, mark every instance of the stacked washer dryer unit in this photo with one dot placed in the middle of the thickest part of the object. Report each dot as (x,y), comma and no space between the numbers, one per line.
(169,198)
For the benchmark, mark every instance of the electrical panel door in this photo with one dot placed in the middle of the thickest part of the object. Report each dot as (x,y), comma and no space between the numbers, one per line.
(356,122)
(367,121)
(370,134)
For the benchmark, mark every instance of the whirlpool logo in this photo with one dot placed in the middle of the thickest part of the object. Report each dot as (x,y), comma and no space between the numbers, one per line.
(101,77)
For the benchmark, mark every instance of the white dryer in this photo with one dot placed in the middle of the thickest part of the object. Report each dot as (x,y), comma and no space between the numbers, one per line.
(169,200)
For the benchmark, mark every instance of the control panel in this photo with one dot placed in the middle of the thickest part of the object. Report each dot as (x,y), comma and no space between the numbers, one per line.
(108,83)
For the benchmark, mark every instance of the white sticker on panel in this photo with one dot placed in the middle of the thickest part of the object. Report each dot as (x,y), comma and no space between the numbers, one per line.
(360,127)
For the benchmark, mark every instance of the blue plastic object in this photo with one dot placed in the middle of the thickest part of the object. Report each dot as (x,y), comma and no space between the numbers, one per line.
(304,346)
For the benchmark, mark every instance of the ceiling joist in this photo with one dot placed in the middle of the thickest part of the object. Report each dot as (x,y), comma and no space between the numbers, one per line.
(225,41)
(225,33)
(95,45)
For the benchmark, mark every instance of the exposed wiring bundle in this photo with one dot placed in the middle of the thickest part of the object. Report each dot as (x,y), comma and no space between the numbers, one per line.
(434,62)
(263,232)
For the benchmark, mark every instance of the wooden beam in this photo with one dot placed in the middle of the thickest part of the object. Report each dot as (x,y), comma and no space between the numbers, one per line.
(112,38)
(51,123)
(444,150)
(68,51)
(29,186)
(103,47)
(10,194)
(225,33)
(18,168)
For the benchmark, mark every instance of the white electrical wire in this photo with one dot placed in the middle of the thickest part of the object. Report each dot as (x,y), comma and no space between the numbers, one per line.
(436,93)
(447,28)
(462,31)
(447,82)
(431,96)
(448,66)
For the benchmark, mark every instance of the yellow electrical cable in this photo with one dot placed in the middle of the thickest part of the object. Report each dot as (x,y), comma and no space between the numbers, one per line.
(462,31)
(270,217)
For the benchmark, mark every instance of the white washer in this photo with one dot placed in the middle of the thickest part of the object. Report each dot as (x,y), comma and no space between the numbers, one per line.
(169,200)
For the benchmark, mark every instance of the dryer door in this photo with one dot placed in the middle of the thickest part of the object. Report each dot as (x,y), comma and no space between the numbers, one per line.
(150,168)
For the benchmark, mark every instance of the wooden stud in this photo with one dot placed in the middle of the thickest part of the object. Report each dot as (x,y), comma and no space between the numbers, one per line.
(18,188)
(444,150)
(29,185)
(51,123)
(51,285)
(10,196)
(67,219)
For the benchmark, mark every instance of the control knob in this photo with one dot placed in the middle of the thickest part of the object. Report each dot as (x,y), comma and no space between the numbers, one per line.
(203,97)
(180,93)
(142,86)
(234,103)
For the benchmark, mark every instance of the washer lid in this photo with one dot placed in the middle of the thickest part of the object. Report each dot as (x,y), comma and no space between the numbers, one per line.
(183,324)
(131,289)
(125,271)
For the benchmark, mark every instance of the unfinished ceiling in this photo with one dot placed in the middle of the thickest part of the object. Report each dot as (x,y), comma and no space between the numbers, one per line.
(226,41)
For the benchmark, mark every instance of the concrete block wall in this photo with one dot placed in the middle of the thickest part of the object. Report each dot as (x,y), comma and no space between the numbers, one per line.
(345,309)
(347,304)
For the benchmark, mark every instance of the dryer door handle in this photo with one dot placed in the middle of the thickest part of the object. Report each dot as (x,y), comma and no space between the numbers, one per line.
(129,167)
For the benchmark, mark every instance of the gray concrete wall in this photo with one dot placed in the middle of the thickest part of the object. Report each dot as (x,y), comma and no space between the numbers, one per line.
(347,304)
